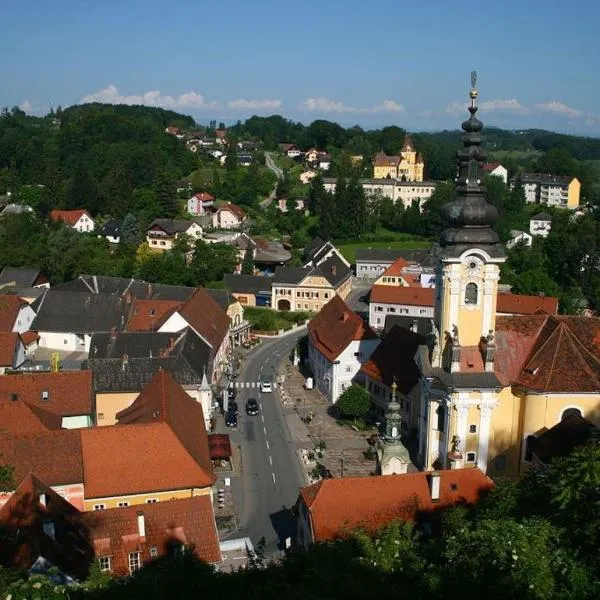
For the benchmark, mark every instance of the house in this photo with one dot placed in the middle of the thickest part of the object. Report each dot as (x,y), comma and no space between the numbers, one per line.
(162,233)
(519,237)
(22,277)
(408,166)
(324,161)
(318,251)
(266,254)
(312,155)
(250,290)
(124,363)
(16,314)
(291,150)
(372,262)
(285,204)
(12,351)
(66,320)
(79,219)
(199,204)
(497,170)
(339,342)
(229,216)
(239,326)
(560,191)
(307,176)
(15,209)
(221,135)
(396,274)
(333,508)
(67,395)
(111,230)
(299,288)
(540,224)
(244,160)
(171,130)
(250,145)
(44,532)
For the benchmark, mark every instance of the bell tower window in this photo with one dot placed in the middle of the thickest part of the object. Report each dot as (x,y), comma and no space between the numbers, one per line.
(471,293)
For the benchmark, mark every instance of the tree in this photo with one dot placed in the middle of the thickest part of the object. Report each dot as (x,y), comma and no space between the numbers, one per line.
(83,191)
(130,230)
(355,402)
(248,262)
(231,159)
(166,196)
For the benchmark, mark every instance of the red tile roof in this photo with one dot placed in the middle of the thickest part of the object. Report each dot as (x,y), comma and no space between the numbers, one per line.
(68,216)
(9,310)
(206,317)
(383,160)
(396,268)
(70,393)
(393,359)
(188,521)
(391,294)
(335,327)
(143,458)
(55,455)
(8,347)
(518,304)
(20,417)
(147,315)
(488,167)
(24,539)
(29,337)
(204,197)
(164,400)
(338,506)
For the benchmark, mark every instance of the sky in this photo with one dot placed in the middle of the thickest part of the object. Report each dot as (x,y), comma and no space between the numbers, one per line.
(400,62)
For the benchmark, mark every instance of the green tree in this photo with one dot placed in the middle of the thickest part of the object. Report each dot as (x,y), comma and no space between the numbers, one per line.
(130,230)
(355,402)
(166,196)
(83,190)
(248,262)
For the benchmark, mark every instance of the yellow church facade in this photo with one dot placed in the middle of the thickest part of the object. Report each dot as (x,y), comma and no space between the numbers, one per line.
(407,166)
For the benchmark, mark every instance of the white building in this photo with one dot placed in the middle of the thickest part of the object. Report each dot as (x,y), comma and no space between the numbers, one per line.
(199,203)
(398,300)
(519,237)
(79,219)
(339,343)
(560,191)
(540,224)
(497,170)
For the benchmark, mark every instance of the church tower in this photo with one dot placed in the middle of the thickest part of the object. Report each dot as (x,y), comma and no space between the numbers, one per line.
(392,456)
(469,258)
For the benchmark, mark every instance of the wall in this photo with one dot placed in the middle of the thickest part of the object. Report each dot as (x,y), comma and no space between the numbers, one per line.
(77,422)
(247,299)
(73,493)
(24,319)
(133,499)
(61,341)
(108,404)
(84,224)
(573,195)
(368,270)
(395,309)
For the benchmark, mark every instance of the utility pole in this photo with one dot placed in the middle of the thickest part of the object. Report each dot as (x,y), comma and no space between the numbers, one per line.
(342,466)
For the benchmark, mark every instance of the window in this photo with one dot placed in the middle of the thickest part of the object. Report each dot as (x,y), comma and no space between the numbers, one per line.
(153,552)
(123,504)
(472,428)
(358,354)
(326,294)
(470,457)
(152,501)
(391,309)
(349,369)
(441,418)
(134,561)
(99,506)
(379,308)
(529,444)
(104,563)
(422,311)
(471,293)
(100,416)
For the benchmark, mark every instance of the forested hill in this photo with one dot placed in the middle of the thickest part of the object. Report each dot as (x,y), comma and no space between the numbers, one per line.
(93,154)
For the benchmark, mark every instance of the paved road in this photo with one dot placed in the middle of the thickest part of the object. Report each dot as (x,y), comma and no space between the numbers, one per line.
(269,163)
(271,474)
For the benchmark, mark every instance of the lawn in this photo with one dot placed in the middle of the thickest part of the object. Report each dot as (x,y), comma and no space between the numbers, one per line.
(267,319)
(349,250)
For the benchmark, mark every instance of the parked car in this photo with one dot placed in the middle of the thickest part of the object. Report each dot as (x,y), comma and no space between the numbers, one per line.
(232,406)
(266,387)
(252,406)
(231,393)
(231,419)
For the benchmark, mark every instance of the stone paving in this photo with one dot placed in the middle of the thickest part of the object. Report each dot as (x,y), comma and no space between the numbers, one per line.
(310,426)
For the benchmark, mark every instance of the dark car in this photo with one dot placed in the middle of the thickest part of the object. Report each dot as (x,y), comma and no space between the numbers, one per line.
(364,299)
(232,406)
(231,393)
(231,419)
(252,406)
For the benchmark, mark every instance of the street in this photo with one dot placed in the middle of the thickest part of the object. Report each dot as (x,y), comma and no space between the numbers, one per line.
(270,164)
(271,475)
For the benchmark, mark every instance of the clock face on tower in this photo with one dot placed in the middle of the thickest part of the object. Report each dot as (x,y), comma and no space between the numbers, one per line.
(473,265)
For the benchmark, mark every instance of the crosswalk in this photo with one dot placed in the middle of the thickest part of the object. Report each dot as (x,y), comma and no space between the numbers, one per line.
(250,384)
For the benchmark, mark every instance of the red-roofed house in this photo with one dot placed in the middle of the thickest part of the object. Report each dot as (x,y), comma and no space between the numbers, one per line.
(339,343)
(334,508)
(16,314)
(497,170)
(78,219)
(199,203)
(229,216)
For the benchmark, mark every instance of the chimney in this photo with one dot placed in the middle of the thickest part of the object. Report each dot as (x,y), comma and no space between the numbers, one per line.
(345,316)
(141,523)
(434,486)
(42,499)
(171,343)
(333,270)
(124,361)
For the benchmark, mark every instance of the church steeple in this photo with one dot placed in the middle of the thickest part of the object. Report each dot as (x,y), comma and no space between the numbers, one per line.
(393,455)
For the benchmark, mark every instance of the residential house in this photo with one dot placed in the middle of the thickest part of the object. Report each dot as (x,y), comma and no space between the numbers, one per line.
(221,136)
(285,204)
(519,237)
(497,170)
(266,254)
(290,149)
(560,191)
(312,155)
(339,342)
(68,396)
(200,203)
(324,161)
(250,145)
(111,230)
(244,160)
(540,224)
(333,508)
(372,262)
(318,251)
(396,274)
(408,166)
(229,216)
(239,327)
(250,290)
(171,130)
(15,209)
(78,219)
(307,176)
(22,277)
(12,351)
(44,533)
(299,288)
(124,363)
(162,233)
(15,314)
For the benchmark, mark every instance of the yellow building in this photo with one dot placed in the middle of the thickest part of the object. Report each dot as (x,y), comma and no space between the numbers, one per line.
(408,166)
(491,384)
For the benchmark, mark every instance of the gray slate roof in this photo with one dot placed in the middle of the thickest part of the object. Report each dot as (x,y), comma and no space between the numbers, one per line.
(223,298)
(333,269)
(423,324)
(251,284)
(187,360)
(292,275)
(19,276)
(541,216)
(171,226)
(378,255)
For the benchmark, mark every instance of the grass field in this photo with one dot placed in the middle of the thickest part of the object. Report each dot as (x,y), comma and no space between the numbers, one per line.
(349,250)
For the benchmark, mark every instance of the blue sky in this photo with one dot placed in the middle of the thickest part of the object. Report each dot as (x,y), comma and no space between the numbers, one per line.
(355,62)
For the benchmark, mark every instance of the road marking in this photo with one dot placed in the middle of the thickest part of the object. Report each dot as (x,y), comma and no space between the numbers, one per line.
(265,430)
(270,461)
(267,444)
(273,476)
(263,418)
(252,385)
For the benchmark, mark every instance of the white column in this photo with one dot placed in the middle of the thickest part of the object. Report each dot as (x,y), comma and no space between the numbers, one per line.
(484,433)
(461,423)
(454,300)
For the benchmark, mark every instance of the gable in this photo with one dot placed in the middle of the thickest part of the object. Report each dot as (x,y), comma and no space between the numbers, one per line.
(315,281)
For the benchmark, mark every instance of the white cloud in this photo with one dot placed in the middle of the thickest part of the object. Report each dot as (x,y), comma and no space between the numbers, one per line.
(111,95)
(325,105)
(511,105)
(243,104)
(26,106)
(559,108)
(456,108)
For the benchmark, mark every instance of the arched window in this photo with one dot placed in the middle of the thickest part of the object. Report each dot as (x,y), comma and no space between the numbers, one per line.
(441,418)
(570,412)
(471,293)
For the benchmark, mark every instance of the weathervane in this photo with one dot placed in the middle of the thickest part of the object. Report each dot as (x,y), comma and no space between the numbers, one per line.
(473,93)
